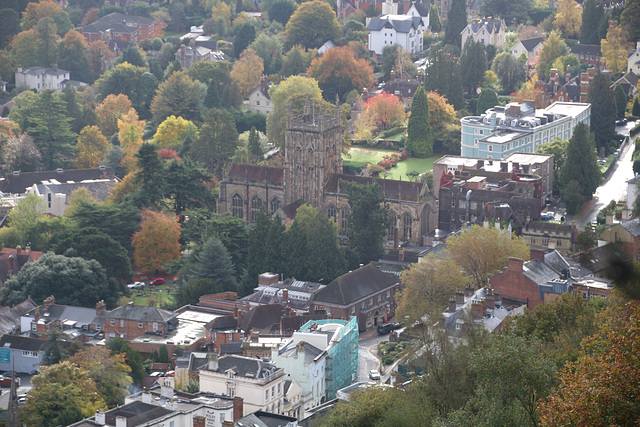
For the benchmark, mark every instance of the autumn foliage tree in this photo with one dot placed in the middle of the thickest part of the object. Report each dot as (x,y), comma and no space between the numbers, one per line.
(130,131)
(338,72)
(91,148)
(158,241)
(380,112)
(615,48)
(180,96)
(569,18)
(247,71)
(172,132)
(109,111)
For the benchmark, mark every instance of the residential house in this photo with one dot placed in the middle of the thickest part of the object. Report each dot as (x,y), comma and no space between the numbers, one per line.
(588,54)
(19,353)
(305,362)
(482,308)
(292,399)
(633,61)
(259,382)
(259,99)
(163,406)
(607,261)
(329,44)
(549,236)
(367,294)
(489,31)
(222,332)
(292,293)
(420,9)
(339,340)
(562,88)
(12,260)
(519,128)
(531,282)
(266,419)
(10,316)
(629,83)
(79,323)
(191,54)
(404,89)
(6,105)
(632,191)
(530,47)
(389,30)
(518,163)
(626,234)
(131,321)
(39,78)
(121,26)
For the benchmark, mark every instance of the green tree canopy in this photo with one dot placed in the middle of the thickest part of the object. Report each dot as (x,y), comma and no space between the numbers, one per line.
(312,24)
(135,82)
(179,96)
(456,22)
(72,281)
(443,75)
(603,110)
(419,139)
(554,47)
(434,19)
(581,164)
(488,99)
(511,71)
(512,11)
(620,99)
(592,16)
(213,262)
(473,64)
(217,141)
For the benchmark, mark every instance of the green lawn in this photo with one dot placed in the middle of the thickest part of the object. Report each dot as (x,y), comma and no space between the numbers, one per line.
(155,294)
(360,157)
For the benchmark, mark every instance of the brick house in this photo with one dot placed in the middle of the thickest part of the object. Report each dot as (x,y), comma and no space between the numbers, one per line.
(119,26)
(12,260)
(366,293)
(548,236)
(131,321)
(78,322)
(588,54)
(625,234)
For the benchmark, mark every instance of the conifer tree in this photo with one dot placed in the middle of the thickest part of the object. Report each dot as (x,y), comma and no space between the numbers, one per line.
(456,22)
(254,144)
(620,99)
(487,99)
(603,110)
(592,15)
(419,139)
(635,110)
(434,19)
(214,263)
(581,165)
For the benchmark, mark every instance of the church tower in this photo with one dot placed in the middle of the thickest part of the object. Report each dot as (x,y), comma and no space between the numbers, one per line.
(313,151)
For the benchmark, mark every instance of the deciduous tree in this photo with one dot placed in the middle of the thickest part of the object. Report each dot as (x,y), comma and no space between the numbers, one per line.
(217,141)
(297,61)
(180,96)
(338,72)
(312,24)
(9,26)
(511,71)
(130,131)
(615,48)
(109,372)
(158,241)
(512,11)
(21,154)
(136,82)
(630,18)
(173,131)
(132,357)
(97,54)
(112,108)
(71,280)
(497,246)
(247,72)
(244,34)
(568,18)
(269,48)
(553,48)
(72,55)
(91,148)
(381,112)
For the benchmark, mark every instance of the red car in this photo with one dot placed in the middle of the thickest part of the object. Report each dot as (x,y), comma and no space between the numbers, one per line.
(156,282)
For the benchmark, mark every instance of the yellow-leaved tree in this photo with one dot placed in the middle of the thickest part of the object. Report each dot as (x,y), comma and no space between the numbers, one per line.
(130,131)
(615,48)
(568,18)
(158,241)
(172,132)
(91,148)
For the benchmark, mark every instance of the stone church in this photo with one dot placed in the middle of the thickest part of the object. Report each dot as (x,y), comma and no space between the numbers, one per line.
(312,174)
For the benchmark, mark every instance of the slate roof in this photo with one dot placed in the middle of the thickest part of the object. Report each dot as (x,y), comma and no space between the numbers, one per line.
(538,272)
(422,9)
(246,366)
(391,188)
(18,184)
(586,49)
(19,260)
(37,71)
(291,209)
(255,173)
(401,24)
(355,285)
(291,350)
(79,316)
(231,348)
(632,226)
(406,88)
(264,318)
(490,25)
(21,343)
(116,22)
(10,316)
(143,313)
(601,258)
(222,322)
(530,44)
(136,413)
(264,419)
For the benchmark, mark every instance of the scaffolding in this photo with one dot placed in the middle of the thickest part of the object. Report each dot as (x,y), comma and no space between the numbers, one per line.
(342,353)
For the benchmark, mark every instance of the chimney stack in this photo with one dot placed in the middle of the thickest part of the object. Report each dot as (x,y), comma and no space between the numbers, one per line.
(48,302)
(459,297)
(100,418)
(146,396)
(515,264)
(285,297)
(100,307)
(490,298)
(476,309)
(498,298)
(468,291)
(238,408)
(452,305)
(213,362)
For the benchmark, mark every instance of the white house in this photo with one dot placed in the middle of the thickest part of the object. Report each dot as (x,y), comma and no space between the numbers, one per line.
(633,62)
(259,100)
(259,382)
(420,9)
(388,30)
(632,191)
(490,31)
(530,47)
(305,363)
(39,78)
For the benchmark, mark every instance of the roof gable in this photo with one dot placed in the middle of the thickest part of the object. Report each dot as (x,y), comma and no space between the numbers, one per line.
(355,285)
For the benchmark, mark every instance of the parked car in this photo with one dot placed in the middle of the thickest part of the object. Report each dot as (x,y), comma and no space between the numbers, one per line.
(621,122)
(388,327)
(157,282)
(374,375)
(136,285)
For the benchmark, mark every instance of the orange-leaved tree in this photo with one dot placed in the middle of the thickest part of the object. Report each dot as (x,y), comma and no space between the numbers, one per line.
(110,110)
(380,112)
(158,241)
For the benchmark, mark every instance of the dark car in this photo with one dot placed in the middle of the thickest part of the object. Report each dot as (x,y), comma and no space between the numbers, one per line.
(621,122)
(387,327)
(156,282)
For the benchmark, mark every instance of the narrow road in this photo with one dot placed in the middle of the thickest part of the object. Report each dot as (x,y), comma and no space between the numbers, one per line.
(614,188)
(366,359)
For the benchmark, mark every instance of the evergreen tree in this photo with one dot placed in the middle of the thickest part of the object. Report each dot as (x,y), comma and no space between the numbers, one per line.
(368,220)
(473,64)
(434,19)
(635,110)
(150,177)
(217,141)
(620,99)
(214,263)
(254,144)
(487,99)
(443,75)
(265,249)
(187,185)
(244,34)
(603,110)
(419,139)
(631,18)
(581,166)
(456,22)
(592,15)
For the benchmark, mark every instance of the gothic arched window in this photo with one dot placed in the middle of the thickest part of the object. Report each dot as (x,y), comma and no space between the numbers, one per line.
(407,228)
(256,205)
(237,206)
(331,212)
(393,219)
(275,204)
(344,217)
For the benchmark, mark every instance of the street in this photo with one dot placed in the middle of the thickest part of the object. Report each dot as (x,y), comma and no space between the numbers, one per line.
(614,188)
(366,360)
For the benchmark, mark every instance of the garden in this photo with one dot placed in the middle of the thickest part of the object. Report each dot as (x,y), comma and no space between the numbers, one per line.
(394,166)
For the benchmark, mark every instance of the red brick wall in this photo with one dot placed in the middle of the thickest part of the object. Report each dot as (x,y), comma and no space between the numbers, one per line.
(512,283)
(130,329)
